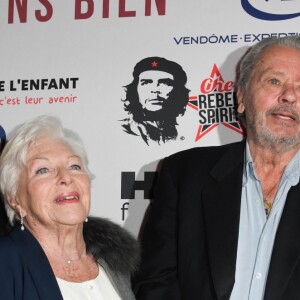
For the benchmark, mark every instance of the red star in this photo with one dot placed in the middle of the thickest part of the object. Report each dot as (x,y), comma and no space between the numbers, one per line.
(154,64)
(206,128)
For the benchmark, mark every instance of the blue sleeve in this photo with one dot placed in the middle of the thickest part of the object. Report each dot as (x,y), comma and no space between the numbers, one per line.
(11,271)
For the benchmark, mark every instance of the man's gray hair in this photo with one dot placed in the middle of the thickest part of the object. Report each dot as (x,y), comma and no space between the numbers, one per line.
(253,55)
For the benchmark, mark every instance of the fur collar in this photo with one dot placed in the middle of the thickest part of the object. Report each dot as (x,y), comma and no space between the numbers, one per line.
(110,242)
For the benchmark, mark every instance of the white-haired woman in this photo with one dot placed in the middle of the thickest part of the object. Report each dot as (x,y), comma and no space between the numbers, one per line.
(55,251)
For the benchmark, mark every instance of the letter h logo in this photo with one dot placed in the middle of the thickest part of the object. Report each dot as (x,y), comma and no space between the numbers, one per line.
(129,185)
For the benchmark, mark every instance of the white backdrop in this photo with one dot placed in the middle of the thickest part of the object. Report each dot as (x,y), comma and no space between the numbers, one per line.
(44,40)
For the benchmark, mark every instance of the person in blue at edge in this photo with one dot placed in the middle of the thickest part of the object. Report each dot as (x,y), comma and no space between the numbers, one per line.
(4,221)
(225,223)
(55,251)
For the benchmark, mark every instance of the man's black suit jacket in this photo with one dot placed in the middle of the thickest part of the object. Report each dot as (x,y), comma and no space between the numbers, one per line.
(190,239)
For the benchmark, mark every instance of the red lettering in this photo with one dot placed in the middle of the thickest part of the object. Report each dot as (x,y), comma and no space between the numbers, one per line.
(21,8)
(228,86)
(160,6)
(219,86)
(78,9)
(215,82)
(207,86)
(105,11)
(123,12)
(49,12)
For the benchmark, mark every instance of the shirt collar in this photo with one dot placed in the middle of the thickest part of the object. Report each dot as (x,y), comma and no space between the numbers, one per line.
(291,172)
(248,166)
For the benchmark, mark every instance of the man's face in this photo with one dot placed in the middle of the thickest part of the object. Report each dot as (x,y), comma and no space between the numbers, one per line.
(154,88)
(272,99)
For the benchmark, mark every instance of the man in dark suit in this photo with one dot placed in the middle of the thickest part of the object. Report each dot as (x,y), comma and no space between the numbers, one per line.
(225,223)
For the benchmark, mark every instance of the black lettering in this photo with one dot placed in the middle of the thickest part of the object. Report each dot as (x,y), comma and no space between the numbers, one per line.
(219,100)
(202,115)
(223,112)
(211,116)
(129,185)
(202,101)
(211,100)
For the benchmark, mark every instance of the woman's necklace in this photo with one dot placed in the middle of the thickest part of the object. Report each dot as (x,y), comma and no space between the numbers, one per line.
(67,260)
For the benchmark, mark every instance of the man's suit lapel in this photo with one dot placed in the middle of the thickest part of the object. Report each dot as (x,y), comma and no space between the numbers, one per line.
(286,251)
(222,208)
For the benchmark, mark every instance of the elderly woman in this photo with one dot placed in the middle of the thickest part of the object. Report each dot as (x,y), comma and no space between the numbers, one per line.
(55,251)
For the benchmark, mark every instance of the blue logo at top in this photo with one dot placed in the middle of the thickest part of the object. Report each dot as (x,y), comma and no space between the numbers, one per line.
(266,12)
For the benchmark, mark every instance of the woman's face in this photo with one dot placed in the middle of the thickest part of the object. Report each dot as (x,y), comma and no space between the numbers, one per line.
(54,188)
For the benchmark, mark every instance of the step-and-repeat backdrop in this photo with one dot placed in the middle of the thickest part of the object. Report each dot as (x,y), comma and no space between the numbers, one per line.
(137,79)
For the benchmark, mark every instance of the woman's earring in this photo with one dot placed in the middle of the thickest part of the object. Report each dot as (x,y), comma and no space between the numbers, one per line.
(86,220)
(22,221)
